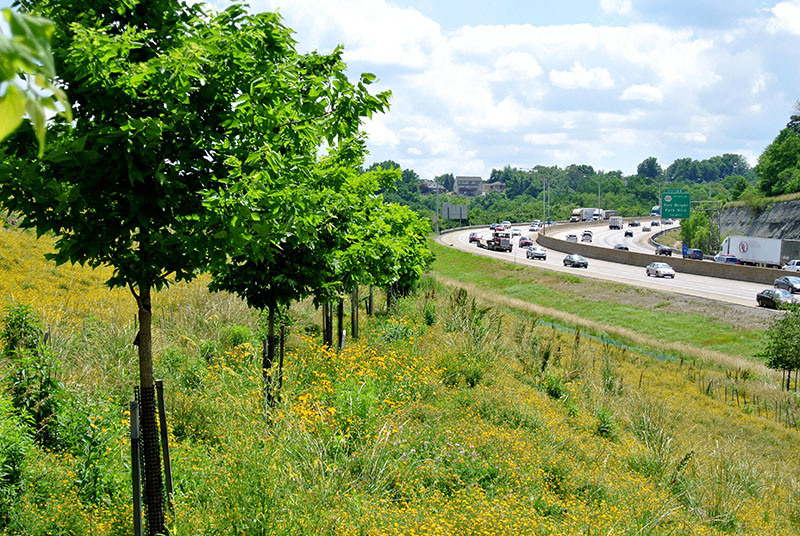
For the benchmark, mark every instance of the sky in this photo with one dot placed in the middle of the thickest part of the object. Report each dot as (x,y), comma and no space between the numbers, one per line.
(478,85)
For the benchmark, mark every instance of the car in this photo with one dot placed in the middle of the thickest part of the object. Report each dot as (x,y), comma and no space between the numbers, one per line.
(774,298)
(668,222)
(660,269)
(533,228)
(788,282)
(588,232)
(793,265)
(655,223)
(586,237)
(524,241)
(474,237)
(575,261)
(516,232)
(646,229)
(634,223)
(693,253)
(572,238)
(536,252)
(628,234)
(536,223)
(506,224)
(494,227)
(727,259)
(663,250)
(623,247)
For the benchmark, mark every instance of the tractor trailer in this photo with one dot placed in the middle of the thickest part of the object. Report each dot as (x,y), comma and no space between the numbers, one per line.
(583,214)
(770,252)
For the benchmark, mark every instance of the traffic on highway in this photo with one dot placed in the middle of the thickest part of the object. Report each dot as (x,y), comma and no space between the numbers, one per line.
(599,235)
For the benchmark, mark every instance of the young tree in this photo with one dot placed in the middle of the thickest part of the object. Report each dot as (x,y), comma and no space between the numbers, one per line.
(183,120)
(782,346)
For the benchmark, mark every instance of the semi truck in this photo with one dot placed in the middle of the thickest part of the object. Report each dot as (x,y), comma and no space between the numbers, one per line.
(615,222)
(583,214)
(500,241)
(756,251)
(608,214)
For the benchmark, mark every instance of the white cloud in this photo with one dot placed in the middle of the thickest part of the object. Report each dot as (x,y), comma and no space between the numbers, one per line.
(516,66)
(642,92)
(621,7)
(786,18)
(555,138)
(579,77)
(695,137)
(379,133)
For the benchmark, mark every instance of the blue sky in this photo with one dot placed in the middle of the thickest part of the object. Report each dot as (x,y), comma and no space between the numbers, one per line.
(478,85)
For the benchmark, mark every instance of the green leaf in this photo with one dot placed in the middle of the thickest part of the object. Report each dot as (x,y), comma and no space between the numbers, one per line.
(12,108)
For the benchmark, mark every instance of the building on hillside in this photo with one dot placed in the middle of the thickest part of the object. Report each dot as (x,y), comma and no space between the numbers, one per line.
(496,186)
(429,187)
(468,186)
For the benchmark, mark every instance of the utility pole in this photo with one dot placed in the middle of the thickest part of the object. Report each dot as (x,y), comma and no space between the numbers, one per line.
(436,185)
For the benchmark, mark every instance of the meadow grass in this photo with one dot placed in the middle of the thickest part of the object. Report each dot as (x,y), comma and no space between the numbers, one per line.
(452,414)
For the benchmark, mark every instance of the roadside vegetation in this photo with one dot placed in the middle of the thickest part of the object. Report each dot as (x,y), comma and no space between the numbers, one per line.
(451,414)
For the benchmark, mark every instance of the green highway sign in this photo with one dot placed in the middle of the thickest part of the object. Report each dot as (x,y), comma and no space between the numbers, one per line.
(675,204)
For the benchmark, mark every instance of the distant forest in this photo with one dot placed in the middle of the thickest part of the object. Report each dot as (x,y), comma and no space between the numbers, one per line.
(720,178)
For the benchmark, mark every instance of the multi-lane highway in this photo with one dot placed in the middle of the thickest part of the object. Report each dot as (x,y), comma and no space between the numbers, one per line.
(737,292)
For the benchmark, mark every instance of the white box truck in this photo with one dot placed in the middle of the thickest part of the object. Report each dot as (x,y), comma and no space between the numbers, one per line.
(615,222)
(753,250)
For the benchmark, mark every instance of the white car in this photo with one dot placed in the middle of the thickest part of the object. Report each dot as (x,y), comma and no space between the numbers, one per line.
(792,266)
(572,238)
(516,232)
(660,269)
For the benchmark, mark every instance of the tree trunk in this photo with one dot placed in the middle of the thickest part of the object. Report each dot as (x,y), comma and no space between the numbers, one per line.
(327,323)
(340,323)
(370,302)
(267,357)
(153,485)
(354,312)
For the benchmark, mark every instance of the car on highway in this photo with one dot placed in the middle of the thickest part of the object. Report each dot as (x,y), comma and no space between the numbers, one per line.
(661,249)
(793,265)
(575,261)
(506,224)
(586,237)
(788,282)
(533,228)
(693,253)
(536,252)
(655,223)
(634,223)
(474,237)
(773,298)
(572,238)
(628,234)
(623,247)
(516,232)
(496,227)
(646,229)
(668,222)
(525,241)
(660,269)
(726,259)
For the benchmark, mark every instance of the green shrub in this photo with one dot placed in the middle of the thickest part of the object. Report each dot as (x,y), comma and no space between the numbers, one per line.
(429,313)
(236,335)
(555,387)
(15,445)
(606,423)
(22,329)
(36,391)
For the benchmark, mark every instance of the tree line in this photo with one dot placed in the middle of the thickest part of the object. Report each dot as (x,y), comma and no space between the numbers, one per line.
(194,146)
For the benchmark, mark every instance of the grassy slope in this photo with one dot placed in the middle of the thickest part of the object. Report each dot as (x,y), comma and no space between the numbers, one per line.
(447,418)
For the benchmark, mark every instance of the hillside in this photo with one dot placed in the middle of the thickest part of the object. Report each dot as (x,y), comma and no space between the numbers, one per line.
(772,219)
(485,411)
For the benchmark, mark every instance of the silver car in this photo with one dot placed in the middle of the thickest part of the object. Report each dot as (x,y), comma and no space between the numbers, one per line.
(536,252)
(660,269)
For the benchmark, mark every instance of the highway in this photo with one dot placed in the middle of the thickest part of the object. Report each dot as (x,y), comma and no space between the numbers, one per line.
(726,290)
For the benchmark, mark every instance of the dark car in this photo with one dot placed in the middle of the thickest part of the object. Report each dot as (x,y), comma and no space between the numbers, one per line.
(524,241)
(623,247)
(628,234)
(474,237)
(774,298)
(536,252)
(655,223)
(634,223)
(788,282)
(575,261)
(663,250)
(693,253)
